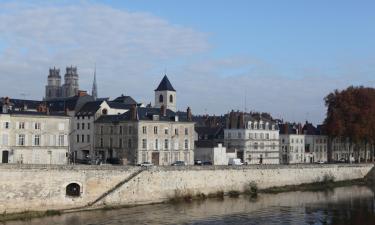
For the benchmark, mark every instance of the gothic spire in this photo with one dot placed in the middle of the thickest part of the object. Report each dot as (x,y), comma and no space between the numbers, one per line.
(94,91)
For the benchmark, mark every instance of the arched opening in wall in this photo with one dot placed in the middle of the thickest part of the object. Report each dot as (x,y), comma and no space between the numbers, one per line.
(171,98)
(160,98)
(104,111)
(73,190)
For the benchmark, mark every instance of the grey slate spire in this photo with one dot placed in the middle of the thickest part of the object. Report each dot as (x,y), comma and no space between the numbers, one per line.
(165,85)
(94,91)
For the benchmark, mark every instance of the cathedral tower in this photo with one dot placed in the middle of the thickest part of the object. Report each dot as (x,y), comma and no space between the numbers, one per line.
(53,88)
(165,95)
(70,87)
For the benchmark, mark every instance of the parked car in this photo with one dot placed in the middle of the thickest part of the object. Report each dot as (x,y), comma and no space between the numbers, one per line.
(235,162)
(320,162)
(178,163)
(342,160)
(207,163)
(198,162)
(145,164)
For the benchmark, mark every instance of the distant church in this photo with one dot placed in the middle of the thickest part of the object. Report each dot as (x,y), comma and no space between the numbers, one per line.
(55,90)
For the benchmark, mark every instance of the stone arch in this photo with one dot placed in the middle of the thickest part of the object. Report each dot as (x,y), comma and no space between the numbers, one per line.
(73,190)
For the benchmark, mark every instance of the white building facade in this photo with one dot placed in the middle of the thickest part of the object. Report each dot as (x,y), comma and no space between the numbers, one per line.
(34,138)
(255,140)
(292,149)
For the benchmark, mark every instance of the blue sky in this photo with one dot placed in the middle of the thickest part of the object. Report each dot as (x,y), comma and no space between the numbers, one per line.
(282,56)
(285,33)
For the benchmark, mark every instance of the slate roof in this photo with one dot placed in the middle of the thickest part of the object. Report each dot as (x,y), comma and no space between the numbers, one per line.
(34,113)
(165,85)
(118,105)
(142,114)
(90,108)
(21,103)
(125,100)
(288,128)
(210,133)
(70,103)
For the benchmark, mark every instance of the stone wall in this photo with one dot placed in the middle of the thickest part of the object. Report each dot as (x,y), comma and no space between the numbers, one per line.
(30,187)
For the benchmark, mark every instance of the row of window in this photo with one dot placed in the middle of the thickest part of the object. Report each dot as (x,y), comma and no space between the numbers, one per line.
(260,126)
(161,98)
(82,117)
(123,130)
(35,126)
(82,126)
(292,140)
(144,143)
(254,135)
(21,140)
(81,138)
(21,125)
(262,146)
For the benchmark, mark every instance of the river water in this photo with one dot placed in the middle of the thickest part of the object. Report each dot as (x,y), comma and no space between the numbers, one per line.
(345,205)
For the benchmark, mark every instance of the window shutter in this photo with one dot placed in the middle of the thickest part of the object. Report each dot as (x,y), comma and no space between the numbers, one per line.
(65,140)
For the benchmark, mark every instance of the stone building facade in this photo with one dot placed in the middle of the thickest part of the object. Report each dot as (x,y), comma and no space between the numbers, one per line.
(83,130)
(148,134)
(33,137)
(316,143)
(254,136)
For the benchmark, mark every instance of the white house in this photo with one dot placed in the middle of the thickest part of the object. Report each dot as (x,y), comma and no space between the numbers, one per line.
(33,137)
(254,136)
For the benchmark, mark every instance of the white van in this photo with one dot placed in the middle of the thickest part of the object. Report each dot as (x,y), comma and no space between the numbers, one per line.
(235,162)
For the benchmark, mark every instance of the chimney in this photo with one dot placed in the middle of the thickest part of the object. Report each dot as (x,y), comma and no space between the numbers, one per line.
(133,112)
(241,122)
(286,128)
(82,93)
(6,104)
(163,110)
(188,114)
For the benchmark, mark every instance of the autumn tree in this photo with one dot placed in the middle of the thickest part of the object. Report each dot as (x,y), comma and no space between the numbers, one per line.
(351,117)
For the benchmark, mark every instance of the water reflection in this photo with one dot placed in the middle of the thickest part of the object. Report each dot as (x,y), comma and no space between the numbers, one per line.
(346,205)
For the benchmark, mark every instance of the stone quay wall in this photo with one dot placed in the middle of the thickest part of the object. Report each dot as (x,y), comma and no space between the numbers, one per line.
(39,187)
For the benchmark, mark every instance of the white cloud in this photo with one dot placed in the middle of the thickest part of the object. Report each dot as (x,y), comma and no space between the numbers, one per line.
(123,44)
(131,50)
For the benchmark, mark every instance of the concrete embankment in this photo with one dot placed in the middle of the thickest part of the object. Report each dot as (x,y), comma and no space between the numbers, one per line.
(32,187)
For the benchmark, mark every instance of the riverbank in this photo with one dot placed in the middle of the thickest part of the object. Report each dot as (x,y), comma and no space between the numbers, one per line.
(25,189)
(252,191)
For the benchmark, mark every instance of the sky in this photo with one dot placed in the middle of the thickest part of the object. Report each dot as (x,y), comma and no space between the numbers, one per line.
(281,57)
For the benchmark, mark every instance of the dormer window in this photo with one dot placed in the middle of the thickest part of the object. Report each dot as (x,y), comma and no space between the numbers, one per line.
(161,98)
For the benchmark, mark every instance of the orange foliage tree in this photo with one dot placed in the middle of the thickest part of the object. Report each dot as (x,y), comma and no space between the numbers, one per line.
(351,118)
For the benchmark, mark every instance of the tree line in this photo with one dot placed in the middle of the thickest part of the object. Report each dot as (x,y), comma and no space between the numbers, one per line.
(351,119)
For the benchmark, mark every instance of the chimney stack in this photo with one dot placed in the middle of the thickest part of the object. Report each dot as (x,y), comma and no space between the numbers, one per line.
(133,112)
(163,110)
(241,122)
(188,114)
